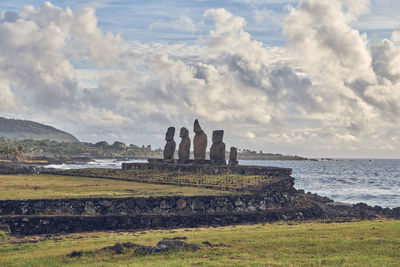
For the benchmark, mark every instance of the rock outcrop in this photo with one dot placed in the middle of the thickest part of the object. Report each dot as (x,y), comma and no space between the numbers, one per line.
(164,245)
(217,151)
(199,142)
(170,146)
(184,146)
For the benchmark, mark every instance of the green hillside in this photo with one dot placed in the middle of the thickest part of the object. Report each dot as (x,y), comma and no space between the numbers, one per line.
(21,130)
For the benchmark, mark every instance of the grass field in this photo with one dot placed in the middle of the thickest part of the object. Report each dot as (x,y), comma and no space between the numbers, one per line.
(365,243)
(52,186)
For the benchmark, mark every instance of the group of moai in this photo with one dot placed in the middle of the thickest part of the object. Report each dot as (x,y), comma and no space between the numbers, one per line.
(217,150)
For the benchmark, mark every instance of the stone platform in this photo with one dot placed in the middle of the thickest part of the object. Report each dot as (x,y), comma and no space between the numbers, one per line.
(207,167)
(28,225)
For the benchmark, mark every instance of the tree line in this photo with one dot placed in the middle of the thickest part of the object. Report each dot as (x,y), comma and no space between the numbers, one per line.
(16,150)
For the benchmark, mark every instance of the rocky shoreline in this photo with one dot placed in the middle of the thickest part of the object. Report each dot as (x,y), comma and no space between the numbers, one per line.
(330,209)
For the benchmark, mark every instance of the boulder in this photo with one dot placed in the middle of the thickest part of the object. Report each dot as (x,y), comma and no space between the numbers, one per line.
(181,204)
(174,243)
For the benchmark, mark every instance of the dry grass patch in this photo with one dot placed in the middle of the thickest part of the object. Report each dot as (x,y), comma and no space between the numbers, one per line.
(42,186)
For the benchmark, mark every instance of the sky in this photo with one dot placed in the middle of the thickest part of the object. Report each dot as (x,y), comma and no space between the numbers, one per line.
(316,78)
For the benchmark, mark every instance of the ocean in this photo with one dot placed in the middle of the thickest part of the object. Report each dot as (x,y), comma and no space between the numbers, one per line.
(372,181)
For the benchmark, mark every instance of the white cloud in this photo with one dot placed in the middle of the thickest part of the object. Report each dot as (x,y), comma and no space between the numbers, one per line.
(355,8)
(7,102)
(250,135)
(328,89)
(358,82)
(396,36)
(267,16)
(183,23)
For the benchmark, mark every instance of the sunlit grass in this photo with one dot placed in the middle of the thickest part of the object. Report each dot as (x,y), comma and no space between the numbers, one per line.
(54,186)
(365,243)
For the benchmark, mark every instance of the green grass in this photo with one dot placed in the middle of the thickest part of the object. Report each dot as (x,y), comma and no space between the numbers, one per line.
(41,186)
(3,236)
(230,181)
(365,243)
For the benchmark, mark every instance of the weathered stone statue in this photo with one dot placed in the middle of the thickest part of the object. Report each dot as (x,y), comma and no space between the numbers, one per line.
(233,156)
(199,142)
(217,151)
(169,148)
(184,146)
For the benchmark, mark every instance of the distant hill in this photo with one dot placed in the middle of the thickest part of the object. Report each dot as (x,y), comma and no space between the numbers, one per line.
(21,130)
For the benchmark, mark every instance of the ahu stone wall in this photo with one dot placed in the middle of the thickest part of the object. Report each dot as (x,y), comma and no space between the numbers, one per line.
(34,225)
(272,196)
(209,168)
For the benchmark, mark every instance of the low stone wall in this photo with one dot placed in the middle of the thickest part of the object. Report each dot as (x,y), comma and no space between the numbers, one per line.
(15,168)
(211,168)
(275,195)
(25,225)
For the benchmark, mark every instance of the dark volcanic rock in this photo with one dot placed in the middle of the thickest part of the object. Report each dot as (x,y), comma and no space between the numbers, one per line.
(199,142)
(209,244)
(170,146)
(184,146)
(130,245)
(173,243)
(205,167)
(5,228)
(217,151)
(395,213)
(117,248)
(263,195)
(21,225)
(148,250)
(330,209)
(165,245)
(75,254)
(181,204)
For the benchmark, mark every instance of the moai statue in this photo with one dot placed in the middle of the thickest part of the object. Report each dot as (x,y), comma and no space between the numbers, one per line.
(199,142)
(233,156)
(169,148)
(217,151)
(184,146)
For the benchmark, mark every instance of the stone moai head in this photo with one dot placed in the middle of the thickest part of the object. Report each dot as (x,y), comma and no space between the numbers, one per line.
(196,127)
(169,135)
(233,153)
(184,132)
(217,136)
